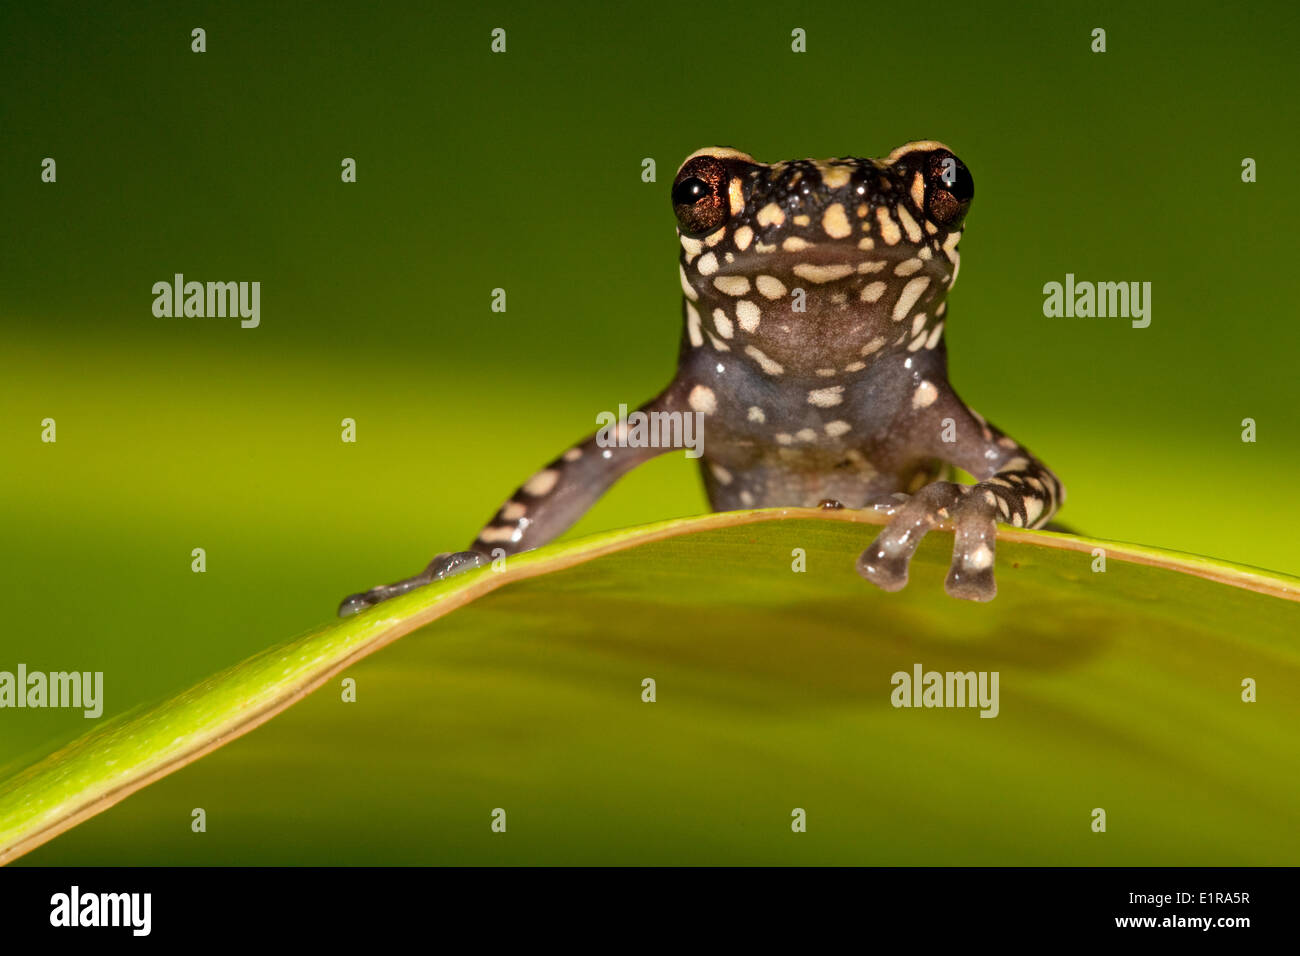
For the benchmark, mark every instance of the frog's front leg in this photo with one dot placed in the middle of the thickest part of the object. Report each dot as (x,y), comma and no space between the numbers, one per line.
(542,508)
(1012,486)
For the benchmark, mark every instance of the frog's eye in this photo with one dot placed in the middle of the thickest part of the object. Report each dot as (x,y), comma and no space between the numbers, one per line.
(699,196)
(690,191)
(949,188)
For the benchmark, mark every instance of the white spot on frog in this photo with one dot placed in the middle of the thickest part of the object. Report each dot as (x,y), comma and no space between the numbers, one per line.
(703,400)
(748,315)
(542,482)
(693,326)
(732,285)
(826,397)
(888,228)
(835,222)
(909,224)
(770,286)
(687,289)
(907,298)
(872,291)
(820,274)
(722,324)
(768,365)
(925,395)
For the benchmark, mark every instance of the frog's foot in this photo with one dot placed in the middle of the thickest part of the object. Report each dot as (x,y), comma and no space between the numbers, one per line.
(443,566)
(973,509)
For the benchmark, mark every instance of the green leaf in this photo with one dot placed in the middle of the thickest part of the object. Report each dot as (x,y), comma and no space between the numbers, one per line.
(1119,689)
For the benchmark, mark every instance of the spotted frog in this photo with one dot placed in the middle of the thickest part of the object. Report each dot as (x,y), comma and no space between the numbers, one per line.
(813,304)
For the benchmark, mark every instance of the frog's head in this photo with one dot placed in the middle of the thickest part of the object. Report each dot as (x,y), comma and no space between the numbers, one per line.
(819,259)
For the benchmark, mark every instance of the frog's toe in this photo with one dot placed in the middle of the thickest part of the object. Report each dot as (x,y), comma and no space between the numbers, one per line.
(445,565)
(885,562)
(883,567)
(453,563)
(970,585)
(356,603)
(970,577)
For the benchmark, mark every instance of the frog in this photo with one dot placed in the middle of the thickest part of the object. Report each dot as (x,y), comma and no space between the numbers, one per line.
(814,296)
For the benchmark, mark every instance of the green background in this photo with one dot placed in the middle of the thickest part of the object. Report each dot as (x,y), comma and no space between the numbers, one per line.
(523,171)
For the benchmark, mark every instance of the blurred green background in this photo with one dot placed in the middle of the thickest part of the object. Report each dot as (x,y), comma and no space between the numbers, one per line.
(522,171)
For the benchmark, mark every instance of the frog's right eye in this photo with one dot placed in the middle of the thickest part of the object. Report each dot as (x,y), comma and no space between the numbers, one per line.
(699,196)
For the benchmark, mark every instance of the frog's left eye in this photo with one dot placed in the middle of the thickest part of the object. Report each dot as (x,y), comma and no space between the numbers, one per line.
(949,188)
(699,196)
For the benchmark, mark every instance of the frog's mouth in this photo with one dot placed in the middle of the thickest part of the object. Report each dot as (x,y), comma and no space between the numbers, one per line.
(825,260)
